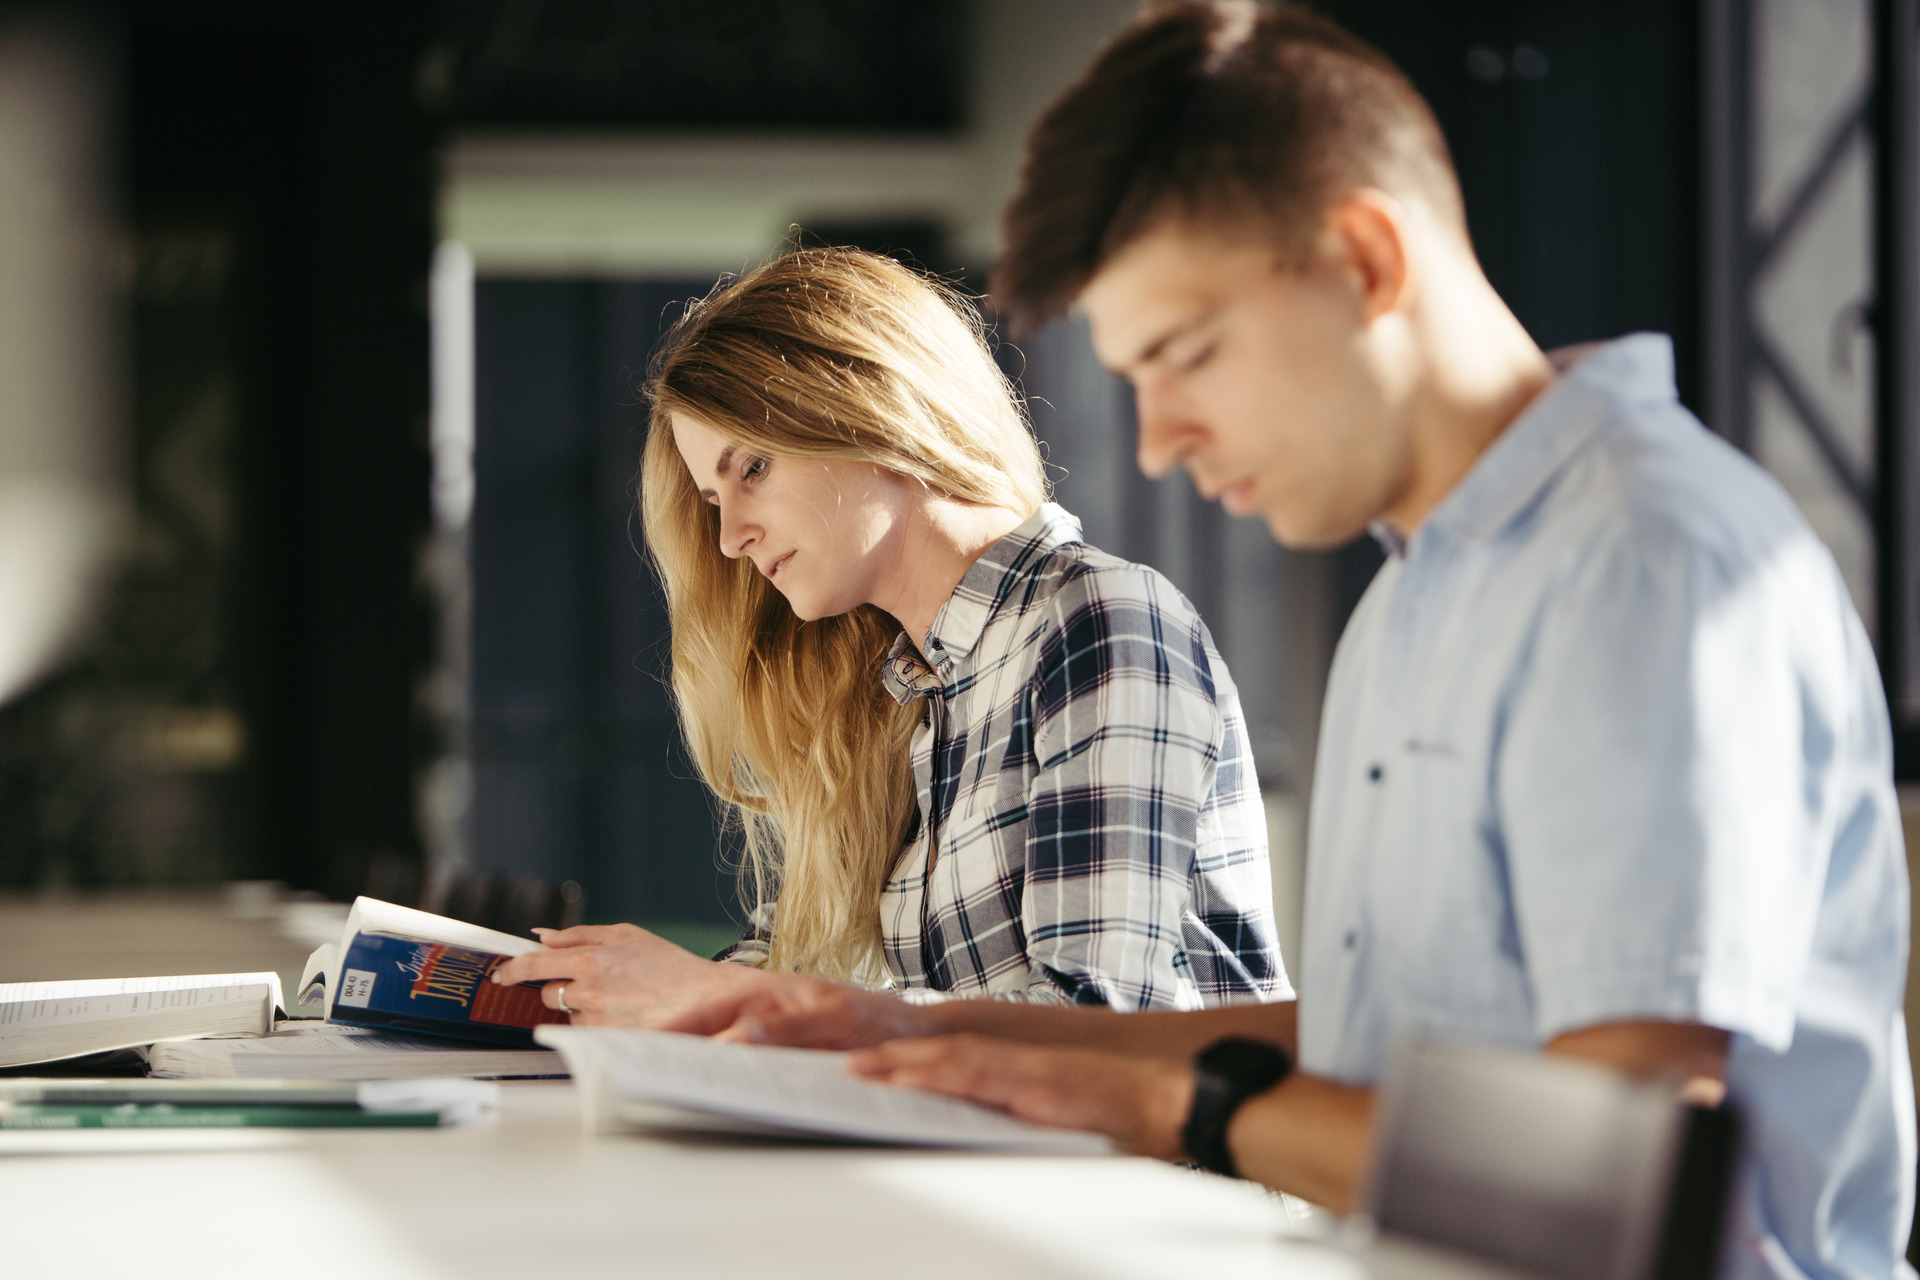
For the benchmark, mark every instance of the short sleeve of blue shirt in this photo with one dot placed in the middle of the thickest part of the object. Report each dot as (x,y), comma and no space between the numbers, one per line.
(1658,797)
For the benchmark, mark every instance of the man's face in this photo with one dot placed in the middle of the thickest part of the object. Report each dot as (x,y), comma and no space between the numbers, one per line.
(1262,379)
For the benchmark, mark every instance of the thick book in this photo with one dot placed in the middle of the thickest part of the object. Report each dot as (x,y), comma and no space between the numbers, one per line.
(657,1079)
(404,970)
(42,1022)
(314,1050)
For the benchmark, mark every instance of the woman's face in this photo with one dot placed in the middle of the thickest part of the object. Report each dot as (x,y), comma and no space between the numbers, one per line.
(827,534)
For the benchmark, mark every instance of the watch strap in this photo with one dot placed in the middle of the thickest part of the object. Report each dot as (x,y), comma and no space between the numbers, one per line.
(1225,1074)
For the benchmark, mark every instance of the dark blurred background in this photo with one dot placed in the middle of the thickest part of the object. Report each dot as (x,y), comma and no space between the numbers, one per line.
(394,272)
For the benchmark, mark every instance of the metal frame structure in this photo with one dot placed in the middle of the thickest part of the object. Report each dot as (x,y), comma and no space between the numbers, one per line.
(1741,353)
(1896,317)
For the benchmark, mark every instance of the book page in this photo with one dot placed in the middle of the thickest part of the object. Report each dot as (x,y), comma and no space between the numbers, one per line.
(26,1006)
(317,977)
(370,915)
(804,1090)
(328,1037)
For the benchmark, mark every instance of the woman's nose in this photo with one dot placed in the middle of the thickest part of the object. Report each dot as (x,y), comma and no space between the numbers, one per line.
(736,535)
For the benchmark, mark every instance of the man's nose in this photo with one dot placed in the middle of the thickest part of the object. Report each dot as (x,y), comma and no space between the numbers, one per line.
(1166,436)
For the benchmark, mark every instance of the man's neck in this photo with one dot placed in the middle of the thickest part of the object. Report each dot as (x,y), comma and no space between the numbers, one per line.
(1480,371)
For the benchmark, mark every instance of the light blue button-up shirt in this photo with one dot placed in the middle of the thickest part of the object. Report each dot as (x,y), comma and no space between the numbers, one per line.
(1606,740)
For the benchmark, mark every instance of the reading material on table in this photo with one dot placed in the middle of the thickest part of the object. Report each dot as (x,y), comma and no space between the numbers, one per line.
(407,970)
(312,1050)
(188,1104)
(625,1077)
(48,1021)
(372,1095)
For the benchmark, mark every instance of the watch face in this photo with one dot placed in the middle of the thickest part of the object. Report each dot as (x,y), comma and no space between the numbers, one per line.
(1245,1062)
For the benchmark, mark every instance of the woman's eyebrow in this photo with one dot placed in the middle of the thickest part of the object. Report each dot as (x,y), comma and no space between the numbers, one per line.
(726,460)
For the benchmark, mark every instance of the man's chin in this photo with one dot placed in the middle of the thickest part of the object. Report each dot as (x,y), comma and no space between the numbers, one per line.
(1311,533)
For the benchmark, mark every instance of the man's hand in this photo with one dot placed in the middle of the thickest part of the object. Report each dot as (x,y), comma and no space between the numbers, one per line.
(802,1012)
(1140,1103)
(622,976)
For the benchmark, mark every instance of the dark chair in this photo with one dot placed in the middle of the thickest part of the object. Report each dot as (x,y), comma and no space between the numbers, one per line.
(1547,1167)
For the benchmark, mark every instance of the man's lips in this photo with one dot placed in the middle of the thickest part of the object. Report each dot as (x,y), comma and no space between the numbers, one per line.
(1237,498)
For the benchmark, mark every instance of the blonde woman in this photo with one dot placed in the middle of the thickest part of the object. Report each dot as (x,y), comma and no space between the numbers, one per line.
(969,754)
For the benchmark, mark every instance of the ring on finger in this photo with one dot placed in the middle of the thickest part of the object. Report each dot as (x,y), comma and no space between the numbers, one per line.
(560,998)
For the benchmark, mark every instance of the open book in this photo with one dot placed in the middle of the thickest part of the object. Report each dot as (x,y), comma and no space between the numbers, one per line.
(406,970)
(660,1079)
(313,1050)
(48,1021)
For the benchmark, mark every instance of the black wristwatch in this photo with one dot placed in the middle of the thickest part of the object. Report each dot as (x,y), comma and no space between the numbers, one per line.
(1226,1074)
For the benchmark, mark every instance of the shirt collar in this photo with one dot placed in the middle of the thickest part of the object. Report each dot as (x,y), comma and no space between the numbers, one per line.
(1596,380)
(961,620)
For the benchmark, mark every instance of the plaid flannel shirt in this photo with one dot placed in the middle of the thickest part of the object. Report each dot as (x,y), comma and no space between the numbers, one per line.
(1090,829)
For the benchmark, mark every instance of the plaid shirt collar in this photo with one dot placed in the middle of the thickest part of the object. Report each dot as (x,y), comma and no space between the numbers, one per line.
(957,627)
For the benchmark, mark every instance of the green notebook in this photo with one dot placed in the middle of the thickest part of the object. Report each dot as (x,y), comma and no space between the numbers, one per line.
(165,1115)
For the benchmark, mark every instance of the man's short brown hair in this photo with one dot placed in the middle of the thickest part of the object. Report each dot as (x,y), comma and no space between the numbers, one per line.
(1212,111)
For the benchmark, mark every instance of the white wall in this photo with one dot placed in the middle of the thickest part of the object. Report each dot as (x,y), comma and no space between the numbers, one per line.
(650,203)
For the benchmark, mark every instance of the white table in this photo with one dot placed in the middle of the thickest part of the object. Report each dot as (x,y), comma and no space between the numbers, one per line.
(528,1194)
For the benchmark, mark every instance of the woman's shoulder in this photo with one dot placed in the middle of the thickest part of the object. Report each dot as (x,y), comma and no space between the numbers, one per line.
(1096,618)
(1078,576)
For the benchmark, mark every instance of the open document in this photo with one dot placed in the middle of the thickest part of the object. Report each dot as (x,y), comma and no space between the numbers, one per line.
(400,969)
(626,1076)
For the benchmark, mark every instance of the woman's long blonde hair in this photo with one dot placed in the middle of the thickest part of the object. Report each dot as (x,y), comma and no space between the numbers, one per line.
(831,354)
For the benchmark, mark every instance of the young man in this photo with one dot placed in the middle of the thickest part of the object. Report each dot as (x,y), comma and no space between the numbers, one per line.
(1606,761)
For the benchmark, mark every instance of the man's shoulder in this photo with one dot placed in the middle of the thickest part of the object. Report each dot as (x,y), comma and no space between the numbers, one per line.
(1658,486)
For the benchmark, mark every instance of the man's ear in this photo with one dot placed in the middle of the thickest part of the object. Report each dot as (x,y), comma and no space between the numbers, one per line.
(1370,234)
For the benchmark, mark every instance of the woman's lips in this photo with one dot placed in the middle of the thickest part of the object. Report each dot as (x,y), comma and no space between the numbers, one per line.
(773,570)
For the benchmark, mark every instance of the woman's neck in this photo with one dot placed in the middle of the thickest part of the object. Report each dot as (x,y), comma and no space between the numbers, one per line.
(940,541)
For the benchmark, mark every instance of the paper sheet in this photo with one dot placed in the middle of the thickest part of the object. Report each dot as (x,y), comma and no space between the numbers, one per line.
(801,1090)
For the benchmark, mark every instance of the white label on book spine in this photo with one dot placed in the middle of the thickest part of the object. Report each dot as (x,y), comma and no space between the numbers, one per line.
(356,988)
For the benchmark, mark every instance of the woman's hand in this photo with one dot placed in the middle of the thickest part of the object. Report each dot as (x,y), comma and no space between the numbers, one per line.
(619,975)
(802,1012)
(1140,1103)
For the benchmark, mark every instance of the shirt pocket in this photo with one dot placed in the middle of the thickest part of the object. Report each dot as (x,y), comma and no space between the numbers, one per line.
(1439,897)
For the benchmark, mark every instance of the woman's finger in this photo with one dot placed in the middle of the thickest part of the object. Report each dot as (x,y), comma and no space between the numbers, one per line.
(537,966)
(581,935)
(567,996)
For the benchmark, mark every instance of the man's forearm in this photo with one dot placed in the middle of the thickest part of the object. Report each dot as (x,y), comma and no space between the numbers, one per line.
(1310,1137)
(1160,1035)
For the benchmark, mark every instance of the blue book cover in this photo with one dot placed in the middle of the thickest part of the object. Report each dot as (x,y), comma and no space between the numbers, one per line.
(406,985)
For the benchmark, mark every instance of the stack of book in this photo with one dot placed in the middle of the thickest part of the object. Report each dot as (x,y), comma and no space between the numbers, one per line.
(404,994)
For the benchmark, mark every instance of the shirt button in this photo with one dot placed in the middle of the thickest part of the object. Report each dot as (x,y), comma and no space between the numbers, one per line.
(1376,773)
(1350,940)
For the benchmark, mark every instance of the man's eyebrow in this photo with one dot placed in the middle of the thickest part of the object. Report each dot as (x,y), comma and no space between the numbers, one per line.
(1151,352)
